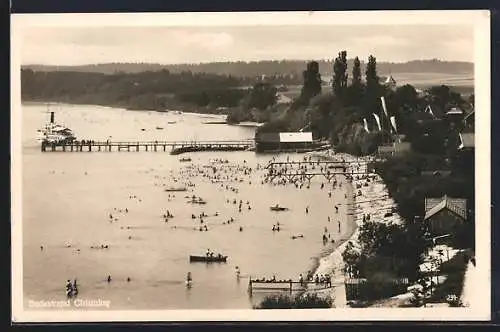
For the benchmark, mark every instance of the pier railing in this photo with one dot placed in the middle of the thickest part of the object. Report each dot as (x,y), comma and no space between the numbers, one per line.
(176,146)
(287,285)
(168,143)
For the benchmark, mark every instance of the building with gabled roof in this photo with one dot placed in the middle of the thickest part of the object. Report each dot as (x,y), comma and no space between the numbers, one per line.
(445,215)
(390,82)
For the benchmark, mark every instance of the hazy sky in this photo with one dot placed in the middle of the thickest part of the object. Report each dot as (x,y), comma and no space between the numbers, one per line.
(167,45)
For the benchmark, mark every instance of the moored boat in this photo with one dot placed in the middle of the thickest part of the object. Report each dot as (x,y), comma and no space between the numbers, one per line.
(208,259)
(278,208)
(197,201)
(55,133)
(176,189)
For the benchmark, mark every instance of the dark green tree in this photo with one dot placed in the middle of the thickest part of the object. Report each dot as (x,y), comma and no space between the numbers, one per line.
(372,78)
(340,73)
(471,100)
(356,73)
(373,89)
(312,82)
(262,96)
(353,94)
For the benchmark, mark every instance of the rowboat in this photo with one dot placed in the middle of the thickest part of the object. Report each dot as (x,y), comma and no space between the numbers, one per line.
(278,208)
(176,189)
(198,200)
(208,259)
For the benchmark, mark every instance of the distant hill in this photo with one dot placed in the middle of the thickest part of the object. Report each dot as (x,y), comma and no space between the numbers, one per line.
(258,68)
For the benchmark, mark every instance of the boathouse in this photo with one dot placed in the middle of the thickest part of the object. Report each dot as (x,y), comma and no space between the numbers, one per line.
(283,141)
(445,215)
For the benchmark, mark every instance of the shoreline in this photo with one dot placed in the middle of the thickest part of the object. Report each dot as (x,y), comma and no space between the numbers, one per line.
(176,108)
(327,262)
(332,263)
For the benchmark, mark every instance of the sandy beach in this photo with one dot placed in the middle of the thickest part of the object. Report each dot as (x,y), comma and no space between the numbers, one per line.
(374,200)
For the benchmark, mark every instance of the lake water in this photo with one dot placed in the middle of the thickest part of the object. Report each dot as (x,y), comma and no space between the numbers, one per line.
(67,199)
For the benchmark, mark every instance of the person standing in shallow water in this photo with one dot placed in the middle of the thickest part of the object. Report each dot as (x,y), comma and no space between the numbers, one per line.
(69,289)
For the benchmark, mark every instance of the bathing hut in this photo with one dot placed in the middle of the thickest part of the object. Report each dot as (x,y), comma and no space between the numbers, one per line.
(283,141)
(445,215)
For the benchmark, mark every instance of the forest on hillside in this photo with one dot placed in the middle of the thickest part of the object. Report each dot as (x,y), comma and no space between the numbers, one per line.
(151,90)
(291,68)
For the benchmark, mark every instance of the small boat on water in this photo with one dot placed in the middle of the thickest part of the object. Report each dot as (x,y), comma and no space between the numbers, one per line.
(208,259)
(198,200)
(159,128)
(176,189)
(172,122)
(278,208)
(186,159)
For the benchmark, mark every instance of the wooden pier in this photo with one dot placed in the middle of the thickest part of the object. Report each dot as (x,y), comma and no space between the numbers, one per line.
(174,147)
(286,285)
(306,170)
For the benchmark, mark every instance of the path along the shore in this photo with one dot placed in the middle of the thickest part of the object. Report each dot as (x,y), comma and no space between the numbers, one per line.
(373,200)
